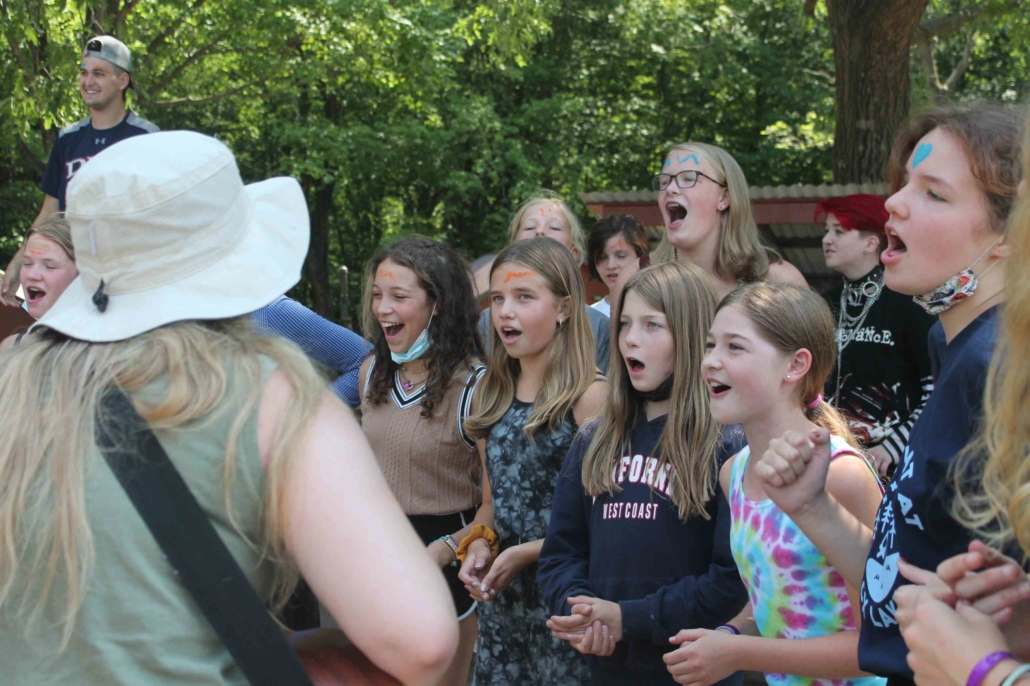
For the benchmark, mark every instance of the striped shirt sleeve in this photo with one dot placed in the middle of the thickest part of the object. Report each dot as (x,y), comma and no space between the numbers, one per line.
(323,341)
(896,441)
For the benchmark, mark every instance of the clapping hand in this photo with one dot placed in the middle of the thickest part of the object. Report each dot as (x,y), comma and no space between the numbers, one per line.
(476,565)
(593,627)
(944,644)
(501,573)
(992,583)
(704,656)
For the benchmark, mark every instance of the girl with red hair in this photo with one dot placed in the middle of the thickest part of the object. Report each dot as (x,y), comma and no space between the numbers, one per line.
(883,378)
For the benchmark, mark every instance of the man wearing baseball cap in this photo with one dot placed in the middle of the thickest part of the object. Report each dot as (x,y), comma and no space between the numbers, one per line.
(105,74)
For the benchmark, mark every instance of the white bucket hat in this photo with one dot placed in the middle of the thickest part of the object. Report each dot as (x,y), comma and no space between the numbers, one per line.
(165,231)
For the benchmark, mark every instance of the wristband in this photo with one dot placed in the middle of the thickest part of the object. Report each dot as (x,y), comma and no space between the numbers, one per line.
(449,542)
(730,628)
(1017,673)
(985,665)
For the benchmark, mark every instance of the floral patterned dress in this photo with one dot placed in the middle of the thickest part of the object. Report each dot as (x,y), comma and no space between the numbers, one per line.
(515,645)
(794,591)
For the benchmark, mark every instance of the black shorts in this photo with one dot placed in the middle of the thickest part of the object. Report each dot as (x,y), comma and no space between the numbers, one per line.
(432,527)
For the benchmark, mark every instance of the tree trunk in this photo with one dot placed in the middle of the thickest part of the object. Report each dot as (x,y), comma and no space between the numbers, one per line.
(871,40)
(316,264)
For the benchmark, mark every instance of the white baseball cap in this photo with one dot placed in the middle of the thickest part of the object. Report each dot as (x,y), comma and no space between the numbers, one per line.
(164,231)
(111,49)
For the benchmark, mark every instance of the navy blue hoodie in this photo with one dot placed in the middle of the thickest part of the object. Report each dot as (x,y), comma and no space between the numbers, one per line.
(632,548)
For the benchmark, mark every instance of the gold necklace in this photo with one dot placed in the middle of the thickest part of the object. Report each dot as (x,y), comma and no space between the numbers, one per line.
(406,383)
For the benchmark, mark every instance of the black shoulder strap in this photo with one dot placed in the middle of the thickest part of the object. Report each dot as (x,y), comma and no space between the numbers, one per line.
(193,547)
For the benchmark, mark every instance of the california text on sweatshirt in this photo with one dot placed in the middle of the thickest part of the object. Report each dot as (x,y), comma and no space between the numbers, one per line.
(632,548)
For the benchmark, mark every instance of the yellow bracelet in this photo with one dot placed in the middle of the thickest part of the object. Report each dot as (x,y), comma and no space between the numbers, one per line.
(478,531)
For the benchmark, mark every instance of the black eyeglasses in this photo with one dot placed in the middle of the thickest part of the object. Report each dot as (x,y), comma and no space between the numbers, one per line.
(685,179)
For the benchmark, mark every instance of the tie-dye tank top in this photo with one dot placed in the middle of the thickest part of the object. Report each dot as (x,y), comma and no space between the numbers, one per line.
(794,591)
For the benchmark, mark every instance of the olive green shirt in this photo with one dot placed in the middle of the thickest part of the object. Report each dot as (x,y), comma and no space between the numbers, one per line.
(138,625)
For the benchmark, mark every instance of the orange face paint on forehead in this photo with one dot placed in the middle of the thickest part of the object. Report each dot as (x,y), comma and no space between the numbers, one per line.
(38,248)
(517,275)
(384,273)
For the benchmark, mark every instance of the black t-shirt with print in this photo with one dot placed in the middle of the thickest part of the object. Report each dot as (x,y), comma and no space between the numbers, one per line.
(77,143)
(914,520)
(885,373)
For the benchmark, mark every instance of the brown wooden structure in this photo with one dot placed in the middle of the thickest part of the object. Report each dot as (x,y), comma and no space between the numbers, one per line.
(784,214)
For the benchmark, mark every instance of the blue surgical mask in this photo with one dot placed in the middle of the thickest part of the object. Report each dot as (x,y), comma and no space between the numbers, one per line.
(417,349)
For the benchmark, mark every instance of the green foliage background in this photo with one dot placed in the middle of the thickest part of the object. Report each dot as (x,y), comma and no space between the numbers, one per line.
(440,116)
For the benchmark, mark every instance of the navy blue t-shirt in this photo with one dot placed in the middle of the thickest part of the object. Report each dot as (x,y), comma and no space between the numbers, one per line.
(79,142)
(914,520)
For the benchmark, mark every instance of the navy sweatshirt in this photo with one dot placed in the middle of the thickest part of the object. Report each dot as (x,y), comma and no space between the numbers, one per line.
(633,549)
(914,521)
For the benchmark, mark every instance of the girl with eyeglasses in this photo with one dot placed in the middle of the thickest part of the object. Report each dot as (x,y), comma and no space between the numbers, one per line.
(703,198)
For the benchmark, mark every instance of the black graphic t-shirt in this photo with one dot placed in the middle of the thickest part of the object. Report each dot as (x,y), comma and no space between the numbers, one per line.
(914,520)
(79,142)
(885,377)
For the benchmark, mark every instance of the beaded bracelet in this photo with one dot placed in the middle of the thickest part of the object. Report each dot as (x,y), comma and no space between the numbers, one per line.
(1017,673)
(730,628)
(985,665)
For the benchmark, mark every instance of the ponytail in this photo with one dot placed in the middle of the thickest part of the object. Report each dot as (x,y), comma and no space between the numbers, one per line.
(826,416)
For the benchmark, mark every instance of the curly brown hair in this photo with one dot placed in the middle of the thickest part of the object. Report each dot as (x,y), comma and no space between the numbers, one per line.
(447,280)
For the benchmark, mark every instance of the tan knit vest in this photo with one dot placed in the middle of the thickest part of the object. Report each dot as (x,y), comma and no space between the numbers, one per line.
(431,465)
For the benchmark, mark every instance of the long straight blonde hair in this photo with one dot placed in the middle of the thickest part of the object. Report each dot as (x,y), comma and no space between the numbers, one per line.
(52,386)
(992,476)
(570,356)
(741,254)
(685,294)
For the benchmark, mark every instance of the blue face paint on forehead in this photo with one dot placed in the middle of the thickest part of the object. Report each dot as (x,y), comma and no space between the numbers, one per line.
(921,153)
(667,163)
(690,156)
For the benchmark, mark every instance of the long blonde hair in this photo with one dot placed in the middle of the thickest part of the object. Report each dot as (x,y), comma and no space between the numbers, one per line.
(52,386)
(791,318)
(570,356)
(579,241)
(741,254)
(992,475)
(685,294)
